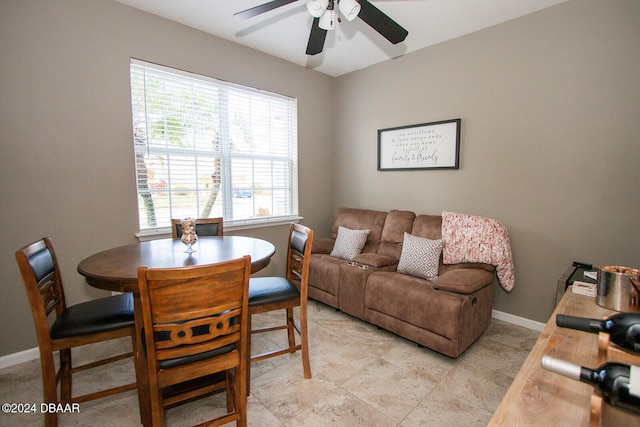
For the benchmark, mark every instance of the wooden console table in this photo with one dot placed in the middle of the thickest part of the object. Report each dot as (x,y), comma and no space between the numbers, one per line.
(540,397)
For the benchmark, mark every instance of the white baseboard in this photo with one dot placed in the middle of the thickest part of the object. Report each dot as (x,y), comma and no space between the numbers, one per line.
(19,357)
(34,353)
(517,320)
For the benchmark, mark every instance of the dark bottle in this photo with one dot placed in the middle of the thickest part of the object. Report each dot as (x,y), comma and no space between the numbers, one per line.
(623,328)
(618,384)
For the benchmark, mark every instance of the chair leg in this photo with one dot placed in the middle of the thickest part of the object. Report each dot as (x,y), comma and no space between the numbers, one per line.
(140,361)
(50,419)
(49,386)
(157,406)
(65,375)
(241,392)
(290,328)
(304,342)
(230,391)
(248,370)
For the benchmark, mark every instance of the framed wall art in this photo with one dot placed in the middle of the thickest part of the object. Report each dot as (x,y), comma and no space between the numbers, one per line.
(434,145)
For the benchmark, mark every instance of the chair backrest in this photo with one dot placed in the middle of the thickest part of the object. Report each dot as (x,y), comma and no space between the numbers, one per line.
(204,227)
(41,276)
(192,311)
(299,256)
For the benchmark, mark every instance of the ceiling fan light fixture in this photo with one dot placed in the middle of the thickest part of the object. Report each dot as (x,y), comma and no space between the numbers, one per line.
(317,7)
(327,20)
(349,8)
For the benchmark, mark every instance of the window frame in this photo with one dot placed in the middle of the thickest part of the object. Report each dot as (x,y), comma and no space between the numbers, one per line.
(286,164)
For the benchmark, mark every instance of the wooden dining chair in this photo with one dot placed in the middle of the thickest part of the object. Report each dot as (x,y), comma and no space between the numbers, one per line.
(204,227)
(85,323)
(284,293)
(195,333)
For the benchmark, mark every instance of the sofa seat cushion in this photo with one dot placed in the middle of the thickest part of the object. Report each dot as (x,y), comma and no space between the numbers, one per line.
(414,301)
(324,272)
(463,280)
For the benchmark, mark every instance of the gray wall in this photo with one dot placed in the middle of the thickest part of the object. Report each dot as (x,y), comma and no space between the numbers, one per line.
(66,163)
(550,108)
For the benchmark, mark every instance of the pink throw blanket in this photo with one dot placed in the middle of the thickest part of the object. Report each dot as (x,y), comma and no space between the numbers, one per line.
(469,238)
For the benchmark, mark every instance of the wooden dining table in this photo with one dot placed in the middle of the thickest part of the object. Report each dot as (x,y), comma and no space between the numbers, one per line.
(117,270)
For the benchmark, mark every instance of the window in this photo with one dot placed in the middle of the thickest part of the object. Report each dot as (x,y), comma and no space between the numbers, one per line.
(208,148)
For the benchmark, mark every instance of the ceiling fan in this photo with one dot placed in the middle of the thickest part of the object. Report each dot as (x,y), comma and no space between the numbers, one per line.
(327,12)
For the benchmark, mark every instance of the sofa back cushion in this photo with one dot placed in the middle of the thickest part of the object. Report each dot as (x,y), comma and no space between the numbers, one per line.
(429,226)
(361,219)
(396,224)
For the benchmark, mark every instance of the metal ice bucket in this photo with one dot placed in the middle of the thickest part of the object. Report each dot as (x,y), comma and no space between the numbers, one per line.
(616,288)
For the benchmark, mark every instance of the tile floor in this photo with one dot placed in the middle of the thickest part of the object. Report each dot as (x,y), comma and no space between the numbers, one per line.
(362,376)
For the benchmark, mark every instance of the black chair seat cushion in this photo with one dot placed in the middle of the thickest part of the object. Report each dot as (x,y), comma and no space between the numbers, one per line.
(266,290)
(100,315)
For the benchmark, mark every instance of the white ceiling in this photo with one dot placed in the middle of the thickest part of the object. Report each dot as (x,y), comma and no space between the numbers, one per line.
(284,32)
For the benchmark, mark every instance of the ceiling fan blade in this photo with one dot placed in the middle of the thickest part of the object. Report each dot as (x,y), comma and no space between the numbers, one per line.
(316,38)
(380,22)
(257,10)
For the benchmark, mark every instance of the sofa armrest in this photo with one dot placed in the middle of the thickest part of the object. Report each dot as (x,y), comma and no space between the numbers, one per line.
(463,280)
(375,260)
(322,246)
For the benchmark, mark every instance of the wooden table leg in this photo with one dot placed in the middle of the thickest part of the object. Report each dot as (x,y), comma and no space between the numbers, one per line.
(140,356)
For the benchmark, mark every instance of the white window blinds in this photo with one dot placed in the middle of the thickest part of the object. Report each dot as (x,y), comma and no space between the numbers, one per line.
(208,148)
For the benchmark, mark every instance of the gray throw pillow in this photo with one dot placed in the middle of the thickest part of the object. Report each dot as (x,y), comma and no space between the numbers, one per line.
(349,243)
(420,257)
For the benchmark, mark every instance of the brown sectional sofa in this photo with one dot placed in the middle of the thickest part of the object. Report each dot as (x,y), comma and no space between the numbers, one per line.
(447,314)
